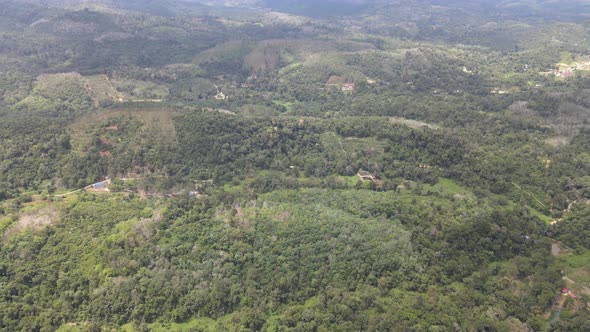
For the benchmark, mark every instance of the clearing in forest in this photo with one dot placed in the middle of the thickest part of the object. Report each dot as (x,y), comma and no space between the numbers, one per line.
(345,146)
(34,220)
(100,89)
(415,124)
(578,269)
(159,120)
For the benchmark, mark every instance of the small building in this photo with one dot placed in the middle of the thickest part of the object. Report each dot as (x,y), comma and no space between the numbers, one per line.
(498,91)
(102,186)
(348,87)
(104,154)
(569,72)
(99,185)
(220,96)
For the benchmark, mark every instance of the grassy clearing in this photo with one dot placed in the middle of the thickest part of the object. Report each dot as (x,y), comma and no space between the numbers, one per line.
(100,88)
(69,328)
(333,143)
(546,219)
(354,144)
(287,104)
(195,324)
(158,119)
(414,124)
(76,327)
(581,276)
(135,90)
(290,69)
(348,145)
(577,261)
(578,270)
(5,222)
(350,181)
(233,188)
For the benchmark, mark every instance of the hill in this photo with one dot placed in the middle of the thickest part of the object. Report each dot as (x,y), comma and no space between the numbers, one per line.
(294,165)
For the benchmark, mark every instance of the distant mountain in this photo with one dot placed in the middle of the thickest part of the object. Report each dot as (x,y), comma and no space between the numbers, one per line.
(549,9)
(568,10)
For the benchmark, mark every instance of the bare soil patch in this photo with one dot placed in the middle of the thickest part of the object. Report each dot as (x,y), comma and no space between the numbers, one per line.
(34,221)
(415,124)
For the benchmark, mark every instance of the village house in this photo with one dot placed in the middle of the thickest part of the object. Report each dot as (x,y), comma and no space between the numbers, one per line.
(346,87)
(220,96)
(566,73)
(99,186)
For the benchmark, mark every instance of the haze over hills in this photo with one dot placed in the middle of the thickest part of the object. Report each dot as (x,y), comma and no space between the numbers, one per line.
(294,165)
(538,10)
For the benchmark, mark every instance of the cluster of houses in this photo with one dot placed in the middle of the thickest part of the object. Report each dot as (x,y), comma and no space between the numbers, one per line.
(569,70)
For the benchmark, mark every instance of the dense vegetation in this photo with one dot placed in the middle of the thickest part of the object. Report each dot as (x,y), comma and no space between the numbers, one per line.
(294,166)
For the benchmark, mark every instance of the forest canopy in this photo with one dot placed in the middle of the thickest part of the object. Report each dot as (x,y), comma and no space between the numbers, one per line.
(288,165)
